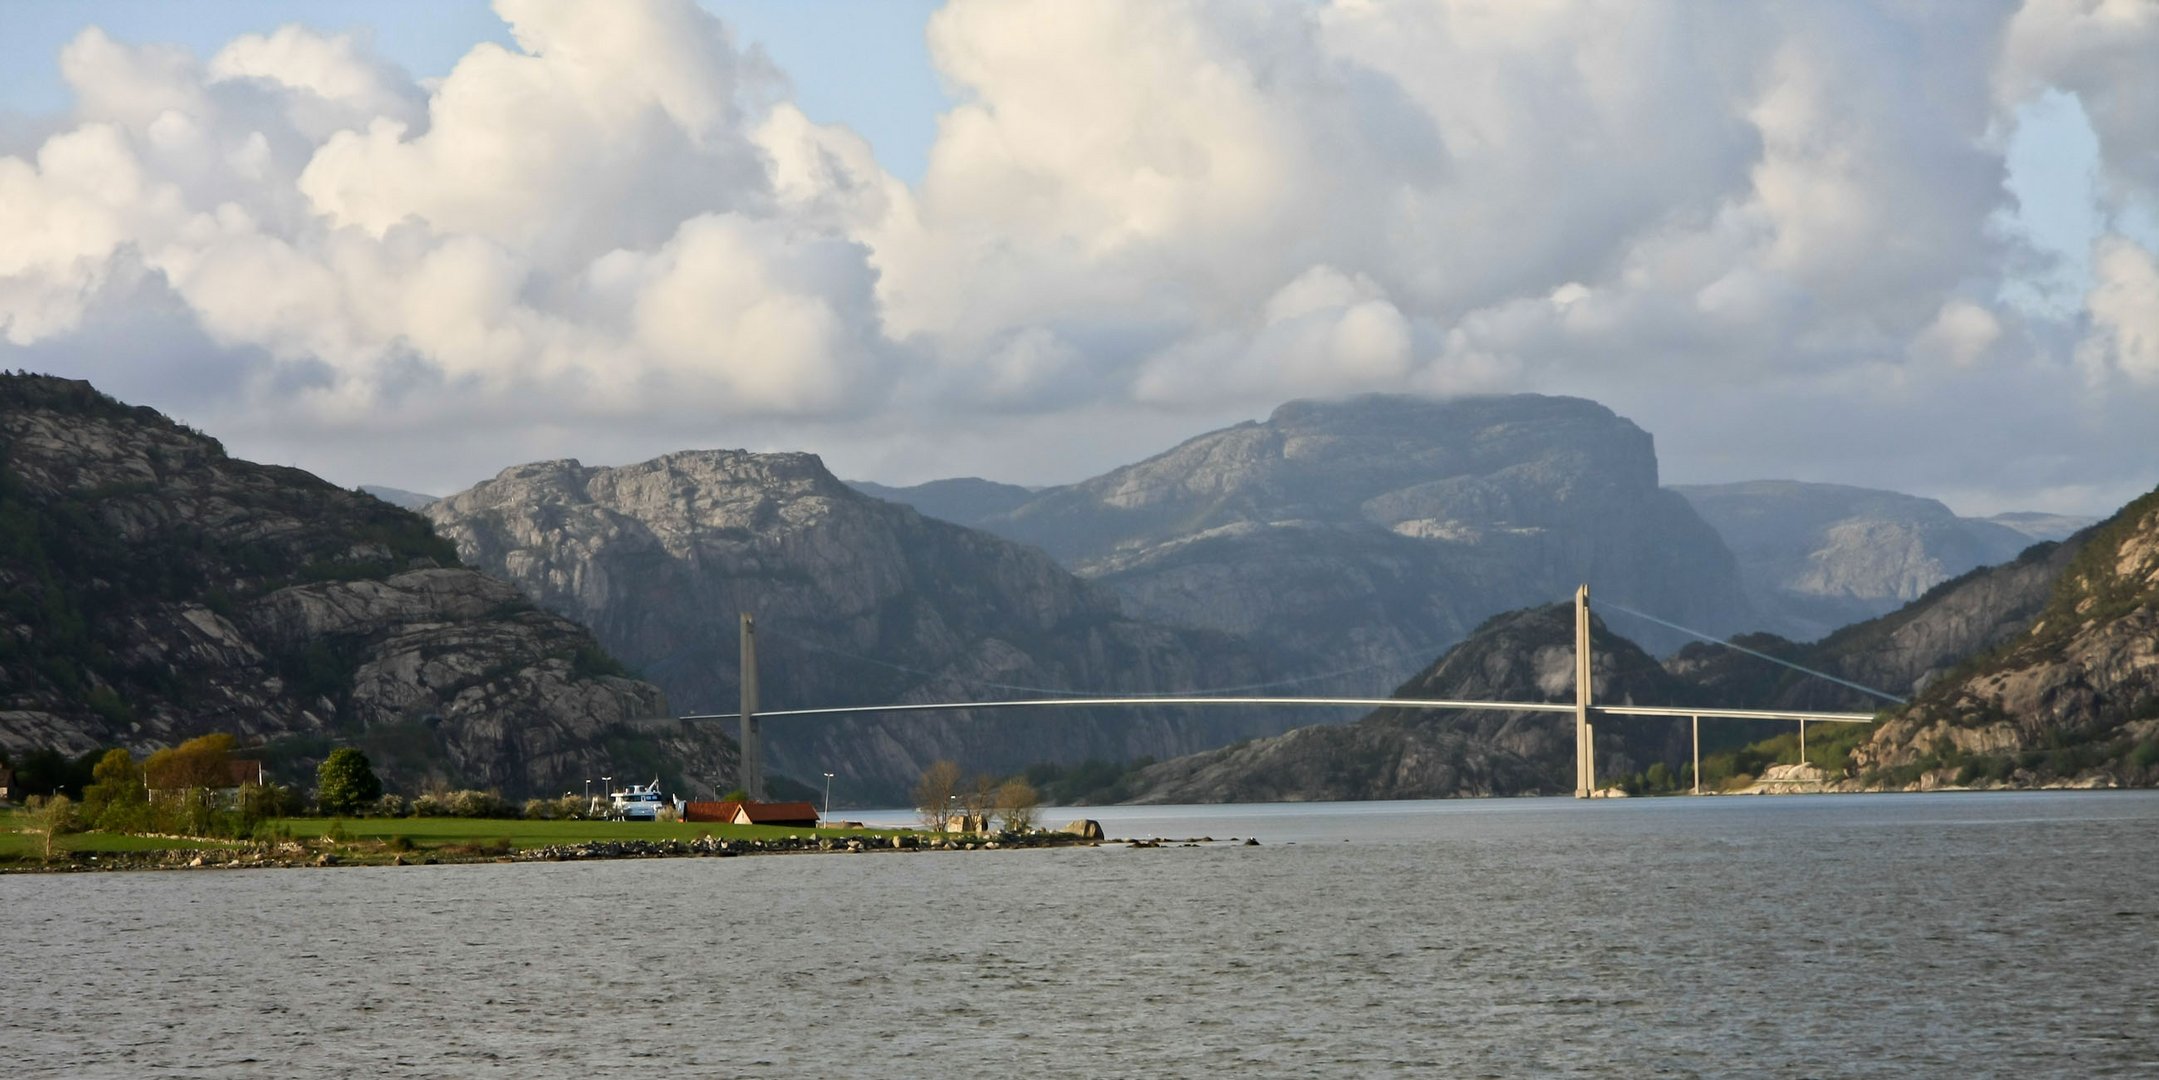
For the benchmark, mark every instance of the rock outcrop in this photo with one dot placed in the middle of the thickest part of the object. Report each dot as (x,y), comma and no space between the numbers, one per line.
(153,589)
(1816,557)
(1525,656)
(1370,533)
(858,601)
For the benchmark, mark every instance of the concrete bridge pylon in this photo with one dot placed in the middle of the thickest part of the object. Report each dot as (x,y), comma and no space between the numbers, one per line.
(1585,730)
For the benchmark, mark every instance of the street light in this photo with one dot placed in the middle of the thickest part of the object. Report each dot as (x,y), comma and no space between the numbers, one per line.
(607,788)
(828,796)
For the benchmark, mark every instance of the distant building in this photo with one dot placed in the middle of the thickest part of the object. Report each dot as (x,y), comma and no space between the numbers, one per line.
(968,823)
(744,812)
(7,784)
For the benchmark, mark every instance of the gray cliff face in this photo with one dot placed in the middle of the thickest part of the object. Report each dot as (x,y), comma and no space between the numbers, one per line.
(157,589)
(858,601)
(1815,557)
(1372,532)
(1409,754)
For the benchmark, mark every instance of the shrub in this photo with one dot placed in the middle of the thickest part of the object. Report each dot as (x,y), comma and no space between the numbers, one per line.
(391,806)
(477,804)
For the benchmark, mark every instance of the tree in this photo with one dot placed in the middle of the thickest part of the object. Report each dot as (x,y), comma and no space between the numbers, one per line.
(53,816)
(345,783)
(189,775)
(1016,803)
(116,800)
(979,800)
(934,792)
(202,762)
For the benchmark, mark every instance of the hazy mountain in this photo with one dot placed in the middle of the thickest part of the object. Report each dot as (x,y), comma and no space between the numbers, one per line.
(2041,526)
(153,589)
(1413,754)
(399,497)
(859,602)
(965,501)
(1815,557)
(1372,532)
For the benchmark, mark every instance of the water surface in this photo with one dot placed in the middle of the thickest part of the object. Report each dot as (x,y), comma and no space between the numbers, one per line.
(1983,935)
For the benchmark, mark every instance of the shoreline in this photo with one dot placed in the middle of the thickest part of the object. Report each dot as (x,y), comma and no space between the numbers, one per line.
(295,855)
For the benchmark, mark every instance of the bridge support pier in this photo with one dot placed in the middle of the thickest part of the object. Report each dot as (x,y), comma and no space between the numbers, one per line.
(1697,755)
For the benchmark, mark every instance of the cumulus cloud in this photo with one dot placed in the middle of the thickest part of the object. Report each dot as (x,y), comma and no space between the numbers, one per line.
(1149,214)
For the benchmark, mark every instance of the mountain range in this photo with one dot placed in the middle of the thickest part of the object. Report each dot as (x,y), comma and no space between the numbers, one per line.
(158,588)
(153,588)
(858,602)
(2042,670)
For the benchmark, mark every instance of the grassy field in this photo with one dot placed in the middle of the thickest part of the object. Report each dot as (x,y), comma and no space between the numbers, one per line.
(16,844)
(437,832)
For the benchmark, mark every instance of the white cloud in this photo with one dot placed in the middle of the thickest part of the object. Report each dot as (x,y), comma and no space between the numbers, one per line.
(1138,208)
(2124,306)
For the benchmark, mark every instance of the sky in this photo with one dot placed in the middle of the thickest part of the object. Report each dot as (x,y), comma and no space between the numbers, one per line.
(1894,244)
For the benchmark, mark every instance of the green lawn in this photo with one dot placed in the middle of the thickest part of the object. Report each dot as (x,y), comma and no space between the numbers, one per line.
(435,832)
(426,834)
(22,845)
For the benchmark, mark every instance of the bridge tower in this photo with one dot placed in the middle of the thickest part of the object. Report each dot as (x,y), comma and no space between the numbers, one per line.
(753,766)
(1585,732)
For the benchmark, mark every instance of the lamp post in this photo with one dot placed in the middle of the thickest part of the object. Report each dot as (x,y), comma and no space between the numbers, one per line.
(952,812)
(828,797)
(607,788)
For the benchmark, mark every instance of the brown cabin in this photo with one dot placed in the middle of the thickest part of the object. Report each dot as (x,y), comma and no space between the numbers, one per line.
(744,812)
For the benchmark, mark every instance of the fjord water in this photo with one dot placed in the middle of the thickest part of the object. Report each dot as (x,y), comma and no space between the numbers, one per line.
(1896,935)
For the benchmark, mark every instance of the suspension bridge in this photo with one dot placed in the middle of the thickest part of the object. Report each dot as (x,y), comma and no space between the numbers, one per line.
(1585,710)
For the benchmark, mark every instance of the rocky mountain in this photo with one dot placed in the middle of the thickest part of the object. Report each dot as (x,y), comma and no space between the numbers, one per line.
(1414,754)
(398,497)
(965,501)
(858,601)
(1898,654)
(153,588)
(1815,557)
(1367,534)
(2075,696)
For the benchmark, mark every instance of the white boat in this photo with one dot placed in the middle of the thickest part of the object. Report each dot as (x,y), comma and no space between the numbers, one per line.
(638,802)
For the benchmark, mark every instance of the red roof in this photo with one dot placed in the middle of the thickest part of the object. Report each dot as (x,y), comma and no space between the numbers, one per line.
(780,813)
(710,811)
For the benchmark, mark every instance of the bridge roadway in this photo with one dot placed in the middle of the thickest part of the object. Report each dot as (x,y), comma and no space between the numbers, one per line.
(1584,710)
